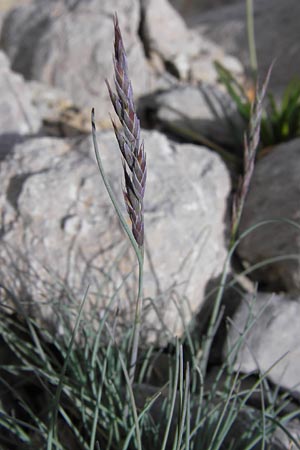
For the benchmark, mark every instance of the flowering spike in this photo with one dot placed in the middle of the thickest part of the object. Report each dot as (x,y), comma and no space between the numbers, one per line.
(133,154)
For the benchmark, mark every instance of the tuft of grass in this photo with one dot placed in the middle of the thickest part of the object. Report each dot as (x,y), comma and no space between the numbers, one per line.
(186,412)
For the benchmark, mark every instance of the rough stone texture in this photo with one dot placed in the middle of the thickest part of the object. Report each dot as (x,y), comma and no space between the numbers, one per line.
(166,34)
(69,45)
(18,116)
(203,110)
(274,334)
(203,68)
(16,105)
(276,35)
(58,224)
(275,194)
(181,50)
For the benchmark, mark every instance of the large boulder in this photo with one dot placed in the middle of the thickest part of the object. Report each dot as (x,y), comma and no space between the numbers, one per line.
(274,194)
(270,344)
(276,36)
(69,45)
(60,231)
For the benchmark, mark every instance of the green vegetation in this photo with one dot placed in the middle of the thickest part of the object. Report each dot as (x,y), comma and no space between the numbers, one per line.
(82,392)
(280,121)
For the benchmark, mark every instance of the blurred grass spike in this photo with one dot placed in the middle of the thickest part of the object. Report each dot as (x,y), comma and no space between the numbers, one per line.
(280,121)
(251,144)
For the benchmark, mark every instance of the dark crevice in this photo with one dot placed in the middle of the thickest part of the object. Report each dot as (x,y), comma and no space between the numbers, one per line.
(15,187)
(64,220)
(31,36)
(142,34)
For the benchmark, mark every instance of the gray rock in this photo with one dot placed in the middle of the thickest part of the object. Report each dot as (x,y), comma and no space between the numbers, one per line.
(69,45)
(276,35)
(17,112)
(275,194)
(272,342)
(182,51)
(18,116)
(6,5)
(166,34)
(203,67)
(60,230)
(197,111)
(282,440)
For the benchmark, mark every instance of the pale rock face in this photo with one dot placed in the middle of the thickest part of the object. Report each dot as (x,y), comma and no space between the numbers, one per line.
(70,47)
(182,51)
(61,232)
(167,35)
(271,339)
(275,194)
(19,117)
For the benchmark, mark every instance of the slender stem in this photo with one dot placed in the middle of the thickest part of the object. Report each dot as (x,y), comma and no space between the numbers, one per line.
(137,321)
(139,251)
(251,36)
(214,317)
(236,224)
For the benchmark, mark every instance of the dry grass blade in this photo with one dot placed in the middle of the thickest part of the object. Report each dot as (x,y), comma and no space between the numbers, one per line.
(130,144)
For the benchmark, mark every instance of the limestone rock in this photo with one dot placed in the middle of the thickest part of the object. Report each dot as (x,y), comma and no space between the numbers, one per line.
(60,231)
(182,51)
(275,194)
(166,34)
(69,45)
(273,338)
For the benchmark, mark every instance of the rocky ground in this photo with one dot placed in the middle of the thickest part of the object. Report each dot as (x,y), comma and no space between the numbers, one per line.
(58,229)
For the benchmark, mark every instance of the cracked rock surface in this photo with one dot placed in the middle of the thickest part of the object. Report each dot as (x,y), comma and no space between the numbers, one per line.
(60,232)
(67,45)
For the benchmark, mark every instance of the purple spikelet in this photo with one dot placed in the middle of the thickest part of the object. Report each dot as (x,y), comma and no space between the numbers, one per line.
(132,148)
